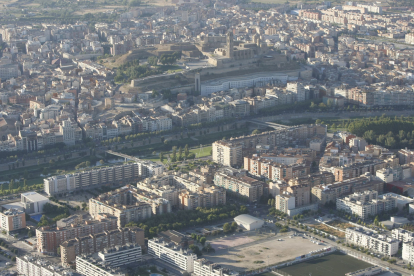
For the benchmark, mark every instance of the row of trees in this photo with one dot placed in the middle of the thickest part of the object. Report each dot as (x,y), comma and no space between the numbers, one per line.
(164,59)
(385,131)
(185,218)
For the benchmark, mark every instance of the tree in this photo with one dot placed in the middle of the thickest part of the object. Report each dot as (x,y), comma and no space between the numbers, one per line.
(186,151)
(203,240)
(101,162)
(313,105)
(226,227)
(256,131)
(153,60)
(25,184)
(88,163)
(161,156)
(11,185)
(174,154)
(180,153)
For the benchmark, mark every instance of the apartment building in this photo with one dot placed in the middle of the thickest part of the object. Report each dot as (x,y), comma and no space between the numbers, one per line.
(326,193)
(282,137)
(125,204)
(172,254)
(227,153)
(263,167)
(357,169)
(87,265)
(121,255)
(366,204)
(402,235)
(33,266)
(314,179)
(405,156)
(286,203)
(378,243)
(99,242)
(408,252)
(49,238)
(237,181)
(203,267)
(207,198)
(12,220)
(116,175)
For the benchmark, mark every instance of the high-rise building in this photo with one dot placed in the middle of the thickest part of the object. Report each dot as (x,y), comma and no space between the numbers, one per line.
(67,129)
(227,153)
(12,219)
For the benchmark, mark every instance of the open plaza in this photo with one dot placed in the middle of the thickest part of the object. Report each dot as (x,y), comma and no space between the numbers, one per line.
(252,251)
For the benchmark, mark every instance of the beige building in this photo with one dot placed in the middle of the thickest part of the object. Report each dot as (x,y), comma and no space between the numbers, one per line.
(97,242)
(227,153)
(12,220)
(126,206)
(236,181)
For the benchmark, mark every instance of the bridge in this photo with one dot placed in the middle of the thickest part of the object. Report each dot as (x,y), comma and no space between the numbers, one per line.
(126,156)
(267,124)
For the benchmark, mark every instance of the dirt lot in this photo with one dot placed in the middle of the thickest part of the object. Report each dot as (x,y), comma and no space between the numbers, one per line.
(329,230)
(340,224)
(245,253)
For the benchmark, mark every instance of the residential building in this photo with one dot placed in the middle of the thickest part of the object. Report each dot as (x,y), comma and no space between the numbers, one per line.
(126,205)
(87,265)
(33,266)
(326,193)
(402,235)
(377,243)
(236,181)
(94,243)
(116,175)
(121,255)
(203,267)
(227,153)
(366,204)
(49,238)
(408,252)
(12,220)
(172,254)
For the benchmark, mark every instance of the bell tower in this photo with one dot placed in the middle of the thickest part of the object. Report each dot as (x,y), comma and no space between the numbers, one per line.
(229,48)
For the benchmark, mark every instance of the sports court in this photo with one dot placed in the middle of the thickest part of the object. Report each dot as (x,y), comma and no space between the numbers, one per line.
(334,264)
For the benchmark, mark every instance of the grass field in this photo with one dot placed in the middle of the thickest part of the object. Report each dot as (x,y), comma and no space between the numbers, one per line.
(334,264)
(205,151)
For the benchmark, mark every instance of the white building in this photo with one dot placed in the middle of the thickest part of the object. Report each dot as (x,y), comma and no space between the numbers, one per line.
(31,266)
(121,255)
(33,202)
(92,267)
(68,131)
(171,254)
(366,204)
(408,252)
(402,235)
(249,222)
(377,243)
(298,89)
(203,267)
